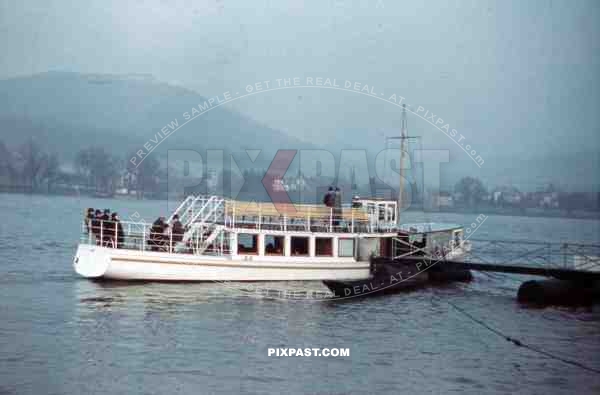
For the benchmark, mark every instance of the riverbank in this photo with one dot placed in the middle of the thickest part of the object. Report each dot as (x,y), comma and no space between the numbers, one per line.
(512,212)
(529,212)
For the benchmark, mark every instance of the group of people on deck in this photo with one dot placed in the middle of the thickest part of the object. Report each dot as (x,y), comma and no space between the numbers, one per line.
(105,228)
(160,237)
(333,199)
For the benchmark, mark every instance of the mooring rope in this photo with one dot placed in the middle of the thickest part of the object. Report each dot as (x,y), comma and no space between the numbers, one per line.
(519,343)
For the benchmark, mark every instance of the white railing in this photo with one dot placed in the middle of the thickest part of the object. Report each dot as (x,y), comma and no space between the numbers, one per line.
(196,211)
(211,204)
(202,245)
(188,213)
(180,208)
(139,236)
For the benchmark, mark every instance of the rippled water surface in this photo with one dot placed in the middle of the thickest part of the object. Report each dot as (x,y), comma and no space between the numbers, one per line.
(63,334)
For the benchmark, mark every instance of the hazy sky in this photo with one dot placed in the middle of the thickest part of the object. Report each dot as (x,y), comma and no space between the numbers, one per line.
(516,78)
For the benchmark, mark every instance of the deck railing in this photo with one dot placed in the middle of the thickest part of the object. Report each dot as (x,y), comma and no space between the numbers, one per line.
(139,236)
(202,215)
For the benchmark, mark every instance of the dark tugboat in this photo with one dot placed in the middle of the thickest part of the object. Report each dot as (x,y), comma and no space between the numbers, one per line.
(413,268)
(414,258)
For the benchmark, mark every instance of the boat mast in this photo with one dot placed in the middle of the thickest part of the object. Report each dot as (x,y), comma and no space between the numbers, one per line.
(402,140)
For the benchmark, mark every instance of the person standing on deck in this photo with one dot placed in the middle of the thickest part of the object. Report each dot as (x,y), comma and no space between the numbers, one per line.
(420,246)
(337,202)
(118,229)
(88,219)
(107,228)
(328,199)
(177,230)
(96,226)
(157,234)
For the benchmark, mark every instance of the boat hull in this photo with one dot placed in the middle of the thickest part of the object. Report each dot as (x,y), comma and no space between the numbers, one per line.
(390,276)
(118,264)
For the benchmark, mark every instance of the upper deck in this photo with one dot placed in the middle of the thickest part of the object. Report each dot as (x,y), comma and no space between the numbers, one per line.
(214,224)
(371,216)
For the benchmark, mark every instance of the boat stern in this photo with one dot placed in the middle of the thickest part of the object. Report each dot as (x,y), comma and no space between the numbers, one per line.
(91,261)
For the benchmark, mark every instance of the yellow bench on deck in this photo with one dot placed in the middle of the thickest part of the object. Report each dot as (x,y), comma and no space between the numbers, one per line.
(291,211)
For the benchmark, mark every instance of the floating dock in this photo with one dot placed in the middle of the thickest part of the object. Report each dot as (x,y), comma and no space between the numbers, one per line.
(570,271)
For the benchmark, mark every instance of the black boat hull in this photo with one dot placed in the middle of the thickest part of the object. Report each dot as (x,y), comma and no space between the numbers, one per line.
(397,275)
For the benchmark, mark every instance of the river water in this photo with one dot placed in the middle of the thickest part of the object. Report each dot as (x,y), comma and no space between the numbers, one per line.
(61,334)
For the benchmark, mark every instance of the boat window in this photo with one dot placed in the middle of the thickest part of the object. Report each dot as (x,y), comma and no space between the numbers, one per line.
(299,246)
(247,243)
(274,245)
(346,248)
(381,211)
(323,246)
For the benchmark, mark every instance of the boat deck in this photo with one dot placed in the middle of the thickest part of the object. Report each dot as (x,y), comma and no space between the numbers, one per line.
(213,225)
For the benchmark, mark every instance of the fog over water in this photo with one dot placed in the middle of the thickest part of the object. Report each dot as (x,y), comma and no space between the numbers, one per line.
(517,79)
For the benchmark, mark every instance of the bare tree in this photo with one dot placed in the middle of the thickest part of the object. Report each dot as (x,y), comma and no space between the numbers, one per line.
(98,167)
(7,165)
(471,190)
(145,176)
(33,166)
(51,170)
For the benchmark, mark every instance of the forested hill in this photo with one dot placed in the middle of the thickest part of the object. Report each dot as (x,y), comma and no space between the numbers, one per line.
(68,111)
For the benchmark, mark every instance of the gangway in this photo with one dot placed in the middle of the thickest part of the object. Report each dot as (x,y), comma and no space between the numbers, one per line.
(546,255)
(564,260)
(423,263)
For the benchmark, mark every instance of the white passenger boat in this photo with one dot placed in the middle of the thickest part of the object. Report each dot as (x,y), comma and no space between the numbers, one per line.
(229,240)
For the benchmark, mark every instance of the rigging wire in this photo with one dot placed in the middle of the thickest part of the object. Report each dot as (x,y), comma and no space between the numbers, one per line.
(519,343)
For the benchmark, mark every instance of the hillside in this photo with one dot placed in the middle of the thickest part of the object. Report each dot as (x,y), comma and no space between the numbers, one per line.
(68,111)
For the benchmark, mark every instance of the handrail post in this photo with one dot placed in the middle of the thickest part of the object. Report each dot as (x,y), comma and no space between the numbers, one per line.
(351,220)
(170,240)
(101,233)
(330,219)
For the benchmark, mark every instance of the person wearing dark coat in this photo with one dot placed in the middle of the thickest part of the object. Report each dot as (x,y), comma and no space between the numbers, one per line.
(420,246)
(328,199)
(177,230)
(88,220)
(337,204)
(107,227)
(96,226)
(403,244)
(157,237)
(119,233)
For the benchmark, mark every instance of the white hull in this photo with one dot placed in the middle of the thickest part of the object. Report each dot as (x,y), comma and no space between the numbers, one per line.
(120,264)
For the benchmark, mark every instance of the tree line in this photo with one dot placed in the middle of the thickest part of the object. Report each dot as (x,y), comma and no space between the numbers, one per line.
(471,192)
(29,167)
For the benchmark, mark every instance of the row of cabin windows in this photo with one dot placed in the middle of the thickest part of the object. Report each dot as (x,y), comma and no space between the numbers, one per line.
(299,246)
